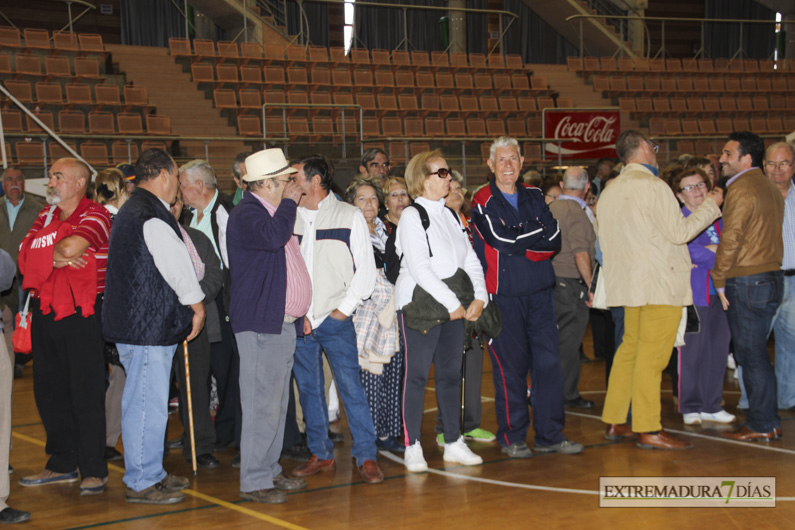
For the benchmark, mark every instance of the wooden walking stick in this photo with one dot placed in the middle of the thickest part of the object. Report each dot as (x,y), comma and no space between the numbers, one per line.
(190,407)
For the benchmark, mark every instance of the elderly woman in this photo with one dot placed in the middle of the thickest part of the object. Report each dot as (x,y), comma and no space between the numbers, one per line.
(702,360)
(703,164)
(396,198)
(434,248)
(376,327)
(111,192)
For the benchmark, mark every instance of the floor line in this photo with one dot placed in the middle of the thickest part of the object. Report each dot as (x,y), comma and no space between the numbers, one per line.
(753,445)
(194,493)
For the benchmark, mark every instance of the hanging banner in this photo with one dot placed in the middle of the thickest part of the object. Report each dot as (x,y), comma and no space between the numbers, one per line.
(584,133)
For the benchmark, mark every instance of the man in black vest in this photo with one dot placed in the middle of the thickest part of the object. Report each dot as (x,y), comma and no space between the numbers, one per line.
(153,302)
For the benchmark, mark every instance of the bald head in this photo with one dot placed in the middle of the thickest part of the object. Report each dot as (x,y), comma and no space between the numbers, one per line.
(69,180)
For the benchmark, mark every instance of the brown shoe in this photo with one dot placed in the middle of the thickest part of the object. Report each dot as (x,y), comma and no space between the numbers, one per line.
(271,496)
(288,484)
(747,435)
(314,466)
(617,432)
(661,440)
(175,483)
(155,494)
(93,485)
(370,472)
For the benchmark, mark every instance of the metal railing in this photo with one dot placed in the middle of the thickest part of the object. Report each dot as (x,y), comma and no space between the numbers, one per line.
(72,20)
(662,20)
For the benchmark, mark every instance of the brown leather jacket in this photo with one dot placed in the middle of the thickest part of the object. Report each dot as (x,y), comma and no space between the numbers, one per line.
(751,241)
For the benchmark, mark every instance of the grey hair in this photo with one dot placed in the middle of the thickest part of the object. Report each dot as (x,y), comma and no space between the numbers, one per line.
(503,141)
(3,174)
(199,169)
(575,178)
(240,158)
(777,145)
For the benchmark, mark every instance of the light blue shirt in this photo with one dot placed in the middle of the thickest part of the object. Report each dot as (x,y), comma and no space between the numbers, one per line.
(205,226)
(788,230)
(13,211)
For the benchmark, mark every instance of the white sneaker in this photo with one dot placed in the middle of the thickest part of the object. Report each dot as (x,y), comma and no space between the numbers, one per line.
(730,362)
(458,452)
(415,461)
(692,418)
(718,417)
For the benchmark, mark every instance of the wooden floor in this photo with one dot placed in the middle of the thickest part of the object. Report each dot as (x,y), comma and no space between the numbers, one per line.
(558,491)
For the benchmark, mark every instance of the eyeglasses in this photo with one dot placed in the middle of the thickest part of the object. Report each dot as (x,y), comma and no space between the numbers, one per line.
(443,173)
(784,164)
(653,145)
(285,181)
(688,189)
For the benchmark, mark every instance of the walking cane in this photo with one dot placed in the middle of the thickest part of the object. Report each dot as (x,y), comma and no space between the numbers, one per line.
(463,387)
(190,407)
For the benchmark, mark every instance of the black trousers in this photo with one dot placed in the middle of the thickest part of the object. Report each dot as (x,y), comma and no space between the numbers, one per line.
(199,360)
(69,388)
(225,366)
(473,406)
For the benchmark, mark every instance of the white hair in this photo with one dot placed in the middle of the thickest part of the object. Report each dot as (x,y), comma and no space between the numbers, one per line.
(575,178)
(503,141)
(199,169)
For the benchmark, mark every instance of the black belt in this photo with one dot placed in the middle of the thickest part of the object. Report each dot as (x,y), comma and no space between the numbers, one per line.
(789,272)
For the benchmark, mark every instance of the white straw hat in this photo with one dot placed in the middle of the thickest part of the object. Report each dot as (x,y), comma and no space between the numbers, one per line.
(267,164)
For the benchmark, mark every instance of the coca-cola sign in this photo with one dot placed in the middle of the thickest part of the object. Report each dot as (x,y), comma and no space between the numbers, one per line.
(588,133)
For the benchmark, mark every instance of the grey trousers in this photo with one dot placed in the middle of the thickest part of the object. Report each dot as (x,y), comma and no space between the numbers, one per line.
(266,362)
(6,382)
(572,317)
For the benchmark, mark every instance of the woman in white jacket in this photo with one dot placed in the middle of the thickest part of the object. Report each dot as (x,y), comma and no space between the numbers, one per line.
(430,255)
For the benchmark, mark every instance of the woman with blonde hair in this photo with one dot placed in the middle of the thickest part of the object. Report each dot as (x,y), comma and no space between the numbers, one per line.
(111,190)
(434,248)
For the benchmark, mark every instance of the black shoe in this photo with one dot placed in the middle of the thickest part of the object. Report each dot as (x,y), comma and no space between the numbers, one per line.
(18,369)
(297,453)
(221,444)
(205,461)
(11,516)
(176,443)
(578,403)
(236,461)
(10,469)
(390,444)
(335,437)
(111,454)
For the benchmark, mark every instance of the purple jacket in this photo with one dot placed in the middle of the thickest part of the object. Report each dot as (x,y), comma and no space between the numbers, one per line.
(703,259)
(255,242)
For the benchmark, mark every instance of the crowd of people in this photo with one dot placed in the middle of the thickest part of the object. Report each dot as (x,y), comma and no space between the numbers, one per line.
(155,273)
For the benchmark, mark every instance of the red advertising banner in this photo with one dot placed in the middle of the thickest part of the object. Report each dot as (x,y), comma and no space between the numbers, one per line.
(589,133)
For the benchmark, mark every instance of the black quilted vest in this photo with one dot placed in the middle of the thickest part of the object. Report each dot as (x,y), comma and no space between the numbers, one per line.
(140,308)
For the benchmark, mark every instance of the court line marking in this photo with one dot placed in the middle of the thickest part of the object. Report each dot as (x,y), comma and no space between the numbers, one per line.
(399,460)
(194,493)
(751,445)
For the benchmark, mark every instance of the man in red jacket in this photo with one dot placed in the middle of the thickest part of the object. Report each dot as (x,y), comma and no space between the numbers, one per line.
(69,378)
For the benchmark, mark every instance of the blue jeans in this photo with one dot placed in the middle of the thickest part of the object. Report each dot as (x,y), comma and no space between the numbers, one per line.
(753,301)
(144,412)
(338,339)
(784,330)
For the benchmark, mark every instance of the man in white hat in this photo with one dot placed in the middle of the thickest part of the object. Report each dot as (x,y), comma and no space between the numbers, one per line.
(270,296)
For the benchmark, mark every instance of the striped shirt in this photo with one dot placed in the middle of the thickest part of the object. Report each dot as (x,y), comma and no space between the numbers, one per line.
(788,263)
(299,284)
(90,221)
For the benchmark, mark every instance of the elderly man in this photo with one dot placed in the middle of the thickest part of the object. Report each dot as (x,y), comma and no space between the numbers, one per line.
(375,164)
(573,267)
(779,167)
(210,211)
(643,236)
(335,244)
(17,213)
(515,236)
(270,296)
(238,172)
(747,275)
(63,259)
(153,302)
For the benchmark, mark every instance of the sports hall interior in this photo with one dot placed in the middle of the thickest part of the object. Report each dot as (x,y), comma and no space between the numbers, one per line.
(218,77)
